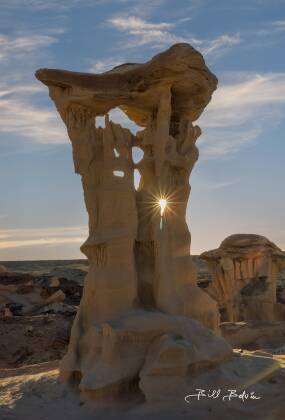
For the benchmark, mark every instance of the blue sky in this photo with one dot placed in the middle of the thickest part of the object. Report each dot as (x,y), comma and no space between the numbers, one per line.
(238,182)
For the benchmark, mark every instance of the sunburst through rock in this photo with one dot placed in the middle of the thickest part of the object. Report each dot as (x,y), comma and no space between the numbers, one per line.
(162,204)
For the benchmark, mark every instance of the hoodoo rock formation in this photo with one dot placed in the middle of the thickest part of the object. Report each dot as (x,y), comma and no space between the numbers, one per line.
(244,271)
(137,321)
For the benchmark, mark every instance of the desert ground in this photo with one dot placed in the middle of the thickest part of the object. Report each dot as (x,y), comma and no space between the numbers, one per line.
(34,337)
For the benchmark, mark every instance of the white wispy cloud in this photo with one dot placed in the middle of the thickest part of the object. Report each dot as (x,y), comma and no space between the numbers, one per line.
(130,23)
(17,238)
(19,91)
(105,64)
(155,38)
(19,116)
(279,25)
(6,91)
(140,8)
(241,111)
(140,32)
(238,102)
(219,144)
(23,44)
(218,45)
(38,242)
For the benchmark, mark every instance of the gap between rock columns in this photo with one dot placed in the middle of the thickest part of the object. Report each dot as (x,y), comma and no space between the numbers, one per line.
(167,277)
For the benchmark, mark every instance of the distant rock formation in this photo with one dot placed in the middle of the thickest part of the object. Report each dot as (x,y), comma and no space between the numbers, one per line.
(244,270)
(27,294)
(3,269)
(136,321)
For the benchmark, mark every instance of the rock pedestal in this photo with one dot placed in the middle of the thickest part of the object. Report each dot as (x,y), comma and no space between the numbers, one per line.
(140,294)
(244,270)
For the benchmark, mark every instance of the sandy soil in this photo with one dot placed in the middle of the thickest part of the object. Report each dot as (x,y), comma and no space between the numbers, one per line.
(34,393)
(28,340)
(31,346)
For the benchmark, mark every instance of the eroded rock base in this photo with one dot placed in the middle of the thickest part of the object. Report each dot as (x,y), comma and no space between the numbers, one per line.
(141,350)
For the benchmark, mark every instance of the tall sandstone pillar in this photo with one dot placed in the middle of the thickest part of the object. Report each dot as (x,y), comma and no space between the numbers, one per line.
(141,280)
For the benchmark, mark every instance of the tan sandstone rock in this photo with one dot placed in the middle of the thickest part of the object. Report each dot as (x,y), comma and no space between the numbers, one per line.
(58,296)
(140,292)
(254,335)
(244,271)
(3,269)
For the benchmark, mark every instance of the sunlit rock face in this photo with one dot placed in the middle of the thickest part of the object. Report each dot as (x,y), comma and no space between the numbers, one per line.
(139,243)
(244,271)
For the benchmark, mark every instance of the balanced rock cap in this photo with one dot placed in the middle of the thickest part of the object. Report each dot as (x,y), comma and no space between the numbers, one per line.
(135,88)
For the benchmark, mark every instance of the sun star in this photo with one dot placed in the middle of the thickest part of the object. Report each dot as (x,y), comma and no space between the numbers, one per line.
(162,204)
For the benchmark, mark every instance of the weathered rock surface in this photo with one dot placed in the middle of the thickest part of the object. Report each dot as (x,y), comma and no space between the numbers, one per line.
(56,297)
(74,270)
(140,293)
(29,381)
(3,269)
(168,92)
(137,346)
(26,340)
(255,335)
(34,392)
(137,88)
(57,308)
(24,293)
(244,277)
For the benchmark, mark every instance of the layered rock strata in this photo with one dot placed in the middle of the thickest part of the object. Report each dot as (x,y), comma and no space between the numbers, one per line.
(244,271)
